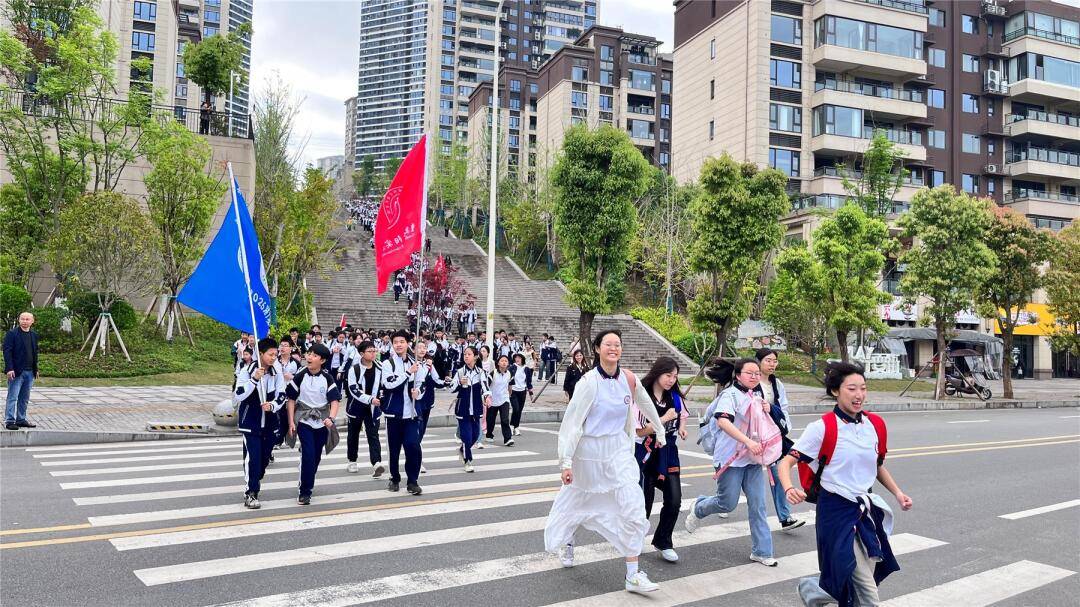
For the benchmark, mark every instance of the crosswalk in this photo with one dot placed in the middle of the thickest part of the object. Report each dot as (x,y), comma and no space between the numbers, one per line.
(171,513)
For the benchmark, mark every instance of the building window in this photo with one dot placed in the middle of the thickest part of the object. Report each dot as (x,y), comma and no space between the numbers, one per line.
(712,89)
(534,88)
(969,103)
(642,80)
(937,17)
(991,187)
(971,144)
(607,78)
(787,161)
(515,103)
(786,29)
(607,53)
(579,99)
(935,98)
(838,120)
(970,63)
(785,118)
(579,74)
(935,57)
(142,41)
(1044,67)
(515,86)
(936,178)
(180,70)
(145,11)
(664,137)
(640,129)
(969,183)
(969,24)
(785,73)
(665,85)
(214,16)
(665,158)
(209,31)
(864,36)
(712,48)
(935,138)
(991,148)
(607,103)
(665,110)
(181,90)
(712,129)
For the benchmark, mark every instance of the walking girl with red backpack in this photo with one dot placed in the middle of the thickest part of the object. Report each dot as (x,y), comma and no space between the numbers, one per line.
(742,439)
(848,447)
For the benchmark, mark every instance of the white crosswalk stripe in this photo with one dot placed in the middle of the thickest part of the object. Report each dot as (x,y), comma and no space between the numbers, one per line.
(984,588)
(1042,510)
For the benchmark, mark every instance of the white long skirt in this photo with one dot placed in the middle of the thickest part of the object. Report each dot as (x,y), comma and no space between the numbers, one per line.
(605,497)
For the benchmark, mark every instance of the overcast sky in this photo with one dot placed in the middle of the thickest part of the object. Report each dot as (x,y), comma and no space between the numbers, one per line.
(313,45)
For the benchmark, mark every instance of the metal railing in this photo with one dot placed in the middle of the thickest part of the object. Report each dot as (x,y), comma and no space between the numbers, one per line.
(831,171)
(641,59)
(1043,155)
(641,109)
(1024,194)
(914,7)
(893,135)
(1045,117)
(213,123)
(1044,34)
(869,90)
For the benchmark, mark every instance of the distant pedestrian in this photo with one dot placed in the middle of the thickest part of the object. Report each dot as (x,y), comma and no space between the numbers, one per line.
(427,245)
(204,118)
(772,390)
(21,366)
(573,373)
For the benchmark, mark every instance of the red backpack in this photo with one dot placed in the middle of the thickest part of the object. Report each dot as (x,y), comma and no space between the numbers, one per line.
(811,480)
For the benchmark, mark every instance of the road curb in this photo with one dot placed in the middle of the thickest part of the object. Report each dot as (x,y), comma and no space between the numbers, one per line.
(943,406)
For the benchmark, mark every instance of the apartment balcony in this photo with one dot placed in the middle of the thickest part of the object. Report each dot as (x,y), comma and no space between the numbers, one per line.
(910,142)
(1042,203)
(475,38)
(908,14)
(1043,124)
(832,58)
(828,180)
(480,8)
(882,101)
(1043,163)
(1032,40)
(992,10)
(1033,90)
(642,140)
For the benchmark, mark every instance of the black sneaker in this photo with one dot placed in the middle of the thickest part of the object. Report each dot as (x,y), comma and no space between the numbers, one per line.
(271,458)
(791,523)
(303,500)
(11,426)
(392,486)
(26,424)
(414,489)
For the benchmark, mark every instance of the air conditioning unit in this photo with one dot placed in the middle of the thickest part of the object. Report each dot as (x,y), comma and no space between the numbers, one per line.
(990,169)
(502,45)
(995,82)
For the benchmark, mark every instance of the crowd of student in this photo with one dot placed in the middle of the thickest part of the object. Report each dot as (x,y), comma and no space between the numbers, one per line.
(617,442)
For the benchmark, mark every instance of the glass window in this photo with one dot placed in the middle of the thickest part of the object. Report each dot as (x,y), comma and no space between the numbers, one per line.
(785,73)
(142,41)
(935,57)
(515,103)
(146,11)
(214,16)
(838,120)
(712,49)
(969,183)
(991,187)
(936,178)
(515,86)
(969,24)
(640,129)
(971,144)
(864,36)
(712,129)
(579,74)
(935,138)
(180,70)
(209,31)
(579,99)
(606,53)
(607,103)
(534,88)
(665,110)
(935,98)
(664,158)
(969,103)
(642,80)
(712,89)
(785,118)
(607,78)
(787,161)
(786,29)
(970,63)
(665,86)
(937,17)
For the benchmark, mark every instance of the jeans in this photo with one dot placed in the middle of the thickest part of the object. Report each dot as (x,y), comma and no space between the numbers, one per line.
(468,432)
(17,396)
(517,405)
(312,441)
(751,481)
(370,425)
(783,511)
(258,446)
(503,412)
(404,433)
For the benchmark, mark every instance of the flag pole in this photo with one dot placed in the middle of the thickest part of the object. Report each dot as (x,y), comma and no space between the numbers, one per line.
(247,277)
(423,234)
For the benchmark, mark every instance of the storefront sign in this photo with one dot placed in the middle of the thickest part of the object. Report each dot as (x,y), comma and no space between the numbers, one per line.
(898,310)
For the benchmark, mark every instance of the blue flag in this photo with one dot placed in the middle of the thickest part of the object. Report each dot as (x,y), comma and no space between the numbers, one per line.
(229,285)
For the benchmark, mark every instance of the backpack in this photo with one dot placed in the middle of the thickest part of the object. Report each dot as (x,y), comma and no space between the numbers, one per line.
(811,480)
(707,429)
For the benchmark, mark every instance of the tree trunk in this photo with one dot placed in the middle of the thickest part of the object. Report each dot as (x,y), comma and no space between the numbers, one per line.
(1006,361)
(841,342)
(939,384)
(721,342)
(585,335)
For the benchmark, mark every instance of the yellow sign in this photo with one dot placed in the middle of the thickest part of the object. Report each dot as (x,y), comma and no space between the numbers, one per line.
(1034,319)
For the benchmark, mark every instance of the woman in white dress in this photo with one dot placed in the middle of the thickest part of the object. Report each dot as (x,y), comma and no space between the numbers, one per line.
(599,474)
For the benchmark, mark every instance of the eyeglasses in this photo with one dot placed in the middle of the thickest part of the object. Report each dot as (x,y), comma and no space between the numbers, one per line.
(751,373)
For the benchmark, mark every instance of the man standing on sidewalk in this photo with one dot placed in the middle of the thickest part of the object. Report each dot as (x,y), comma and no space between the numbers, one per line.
(21,366)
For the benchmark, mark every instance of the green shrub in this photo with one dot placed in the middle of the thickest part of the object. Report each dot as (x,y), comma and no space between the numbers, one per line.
(672,326)
(84,306)
(47,324)
(696,345)
(14,300)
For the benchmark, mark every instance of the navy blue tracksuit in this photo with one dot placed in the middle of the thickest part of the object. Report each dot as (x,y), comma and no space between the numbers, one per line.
(402,418)
(259,428)
(470,405)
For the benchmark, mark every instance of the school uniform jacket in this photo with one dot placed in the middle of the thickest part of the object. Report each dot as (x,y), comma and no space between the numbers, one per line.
(250,415)
(513,377)
(427,390)
(360,394)
(470,400)
(396,383)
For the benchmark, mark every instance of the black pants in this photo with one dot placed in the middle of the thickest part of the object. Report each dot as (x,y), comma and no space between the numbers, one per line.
(669,513)
(364,420)
(551,372)
(503,411)
(517,405)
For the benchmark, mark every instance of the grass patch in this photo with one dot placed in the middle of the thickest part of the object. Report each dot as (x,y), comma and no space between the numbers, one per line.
(201,372)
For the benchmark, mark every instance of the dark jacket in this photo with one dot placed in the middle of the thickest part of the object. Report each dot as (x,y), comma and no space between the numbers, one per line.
(570,378)
(16,358)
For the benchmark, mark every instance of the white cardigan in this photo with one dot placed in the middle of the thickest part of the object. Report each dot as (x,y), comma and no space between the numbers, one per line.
(573,423)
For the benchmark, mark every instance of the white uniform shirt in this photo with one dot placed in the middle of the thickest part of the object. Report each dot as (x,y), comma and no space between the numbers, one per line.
(735,403)
(500,388)
(608,414)
(853,468)
(519,380)
(313,392)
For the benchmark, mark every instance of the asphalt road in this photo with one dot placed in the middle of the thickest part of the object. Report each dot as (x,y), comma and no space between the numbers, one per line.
(162,524)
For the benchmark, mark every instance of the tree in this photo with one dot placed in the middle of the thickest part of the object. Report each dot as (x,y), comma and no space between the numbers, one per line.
(307,246)
(390,168)
(1063,298)
(734,222)
(597,178)
(448,185)
(793,311)
(109,246)
(840,270)
(364,178)
(442,287)
(182,195)
(881,174)
(949,260)
(212,62)
(664,234)
(21,237)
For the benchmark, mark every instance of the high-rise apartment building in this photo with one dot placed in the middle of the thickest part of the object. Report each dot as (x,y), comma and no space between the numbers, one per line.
(981,94)
(421,59)
(350,133)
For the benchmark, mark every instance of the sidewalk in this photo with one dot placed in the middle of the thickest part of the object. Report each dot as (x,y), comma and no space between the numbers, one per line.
(77,415)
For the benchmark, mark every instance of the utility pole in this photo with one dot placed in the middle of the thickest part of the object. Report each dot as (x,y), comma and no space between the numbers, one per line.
(492,217)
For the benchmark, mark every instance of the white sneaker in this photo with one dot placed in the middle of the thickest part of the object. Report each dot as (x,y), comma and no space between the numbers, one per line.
(768,561)
(566,555)
(423,469)
(669,555)
(517,431)
(509,443)
(468,467)
(640,583)
(723,515)
(490,441)
(352,468)
(692,521)
(378,470)
(479,445)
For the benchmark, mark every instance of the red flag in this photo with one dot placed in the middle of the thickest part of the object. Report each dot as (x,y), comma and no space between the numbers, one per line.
(342,325)
(399,227)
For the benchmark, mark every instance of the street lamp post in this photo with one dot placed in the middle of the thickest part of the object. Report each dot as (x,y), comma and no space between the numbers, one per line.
(232,78)
(492,218)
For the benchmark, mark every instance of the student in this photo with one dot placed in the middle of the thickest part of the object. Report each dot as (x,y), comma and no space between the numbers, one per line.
(660,467)
(733,449)
(600,478)
(402,418)
(486,363)
(544,355)
(260,391)
(573,373)
(853,524)
(771,389)
(520,386)
(313,404)
(289,366)
(471,386)
(362,410)
(500,401)
(340,354)
(426,380)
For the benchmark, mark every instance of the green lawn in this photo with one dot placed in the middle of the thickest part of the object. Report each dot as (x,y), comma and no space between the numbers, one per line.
(201,373)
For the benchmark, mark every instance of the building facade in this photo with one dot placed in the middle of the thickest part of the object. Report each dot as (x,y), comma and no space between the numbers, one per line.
(350,132)
(984,95)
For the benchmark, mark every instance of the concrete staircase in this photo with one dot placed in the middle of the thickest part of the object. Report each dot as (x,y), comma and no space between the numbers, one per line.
(523,306)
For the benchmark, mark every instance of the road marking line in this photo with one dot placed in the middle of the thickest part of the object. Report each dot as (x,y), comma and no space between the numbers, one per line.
(220,444)
(541,430)
(131,445)
(998,442)
(713,584)
(969,421)
(948,451)
(157,480)
(45,529)
(464,574)
(1043,510)
(984,588)
(1069,416)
